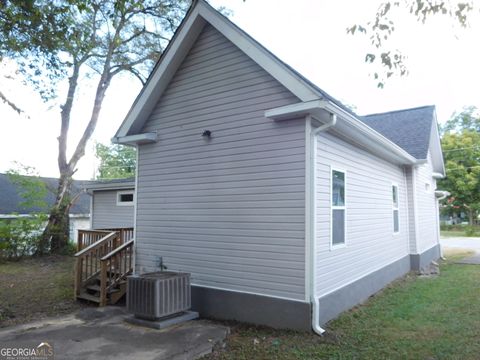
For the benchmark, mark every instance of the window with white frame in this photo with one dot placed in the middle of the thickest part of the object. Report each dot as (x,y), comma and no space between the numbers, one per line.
(396,224)
(338,208)
(125,198)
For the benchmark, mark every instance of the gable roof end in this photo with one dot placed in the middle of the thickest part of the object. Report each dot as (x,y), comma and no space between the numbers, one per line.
(199,14)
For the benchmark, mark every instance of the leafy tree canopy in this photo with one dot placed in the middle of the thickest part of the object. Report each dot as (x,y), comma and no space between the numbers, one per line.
(461,146)
(390,61)
(31,188)
(467,119)
(116,161)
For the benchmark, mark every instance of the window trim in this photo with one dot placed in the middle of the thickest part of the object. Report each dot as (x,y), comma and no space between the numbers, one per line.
(332,207)
(397,207)
(125,203)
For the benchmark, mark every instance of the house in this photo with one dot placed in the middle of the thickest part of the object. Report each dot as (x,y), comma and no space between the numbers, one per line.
(285,206)
(112,203)
(10,201)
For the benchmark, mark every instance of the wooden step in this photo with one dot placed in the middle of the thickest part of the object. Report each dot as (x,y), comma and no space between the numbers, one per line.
(88,297)
(98,288)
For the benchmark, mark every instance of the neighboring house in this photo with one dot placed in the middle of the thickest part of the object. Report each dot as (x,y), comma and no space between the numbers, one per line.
(10,199)
(112,203)
(286,207)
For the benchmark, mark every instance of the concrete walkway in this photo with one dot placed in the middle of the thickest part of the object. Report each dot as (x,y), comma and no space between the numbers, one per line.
(465,243)
(103,334)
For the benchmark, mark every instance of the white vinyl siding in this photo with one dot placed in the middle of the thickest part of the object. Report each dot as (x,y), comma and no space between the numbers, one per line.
(229,209)
(371,244)
(106,212)
(426,208)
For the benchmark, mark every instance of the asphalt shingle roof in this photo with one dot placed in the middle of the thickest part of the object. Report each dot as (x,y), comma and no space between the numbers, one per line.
(409,128)
(10,198)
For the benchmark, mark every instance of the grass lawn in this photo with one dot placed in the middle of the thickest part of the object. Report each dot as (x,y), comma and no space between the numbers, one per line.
(452,233)
(34,288)
(414,318)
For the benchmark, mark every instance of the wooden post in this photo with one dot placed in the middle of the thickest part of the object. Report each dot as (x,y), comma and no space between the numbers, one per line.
(103,283)
(78,276)
(79,240)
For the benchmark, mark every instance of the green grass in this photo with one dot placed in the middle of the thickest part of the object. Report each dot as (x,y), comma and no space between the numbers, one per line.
(457,233)
(452,233)
(34,288)
(414,318)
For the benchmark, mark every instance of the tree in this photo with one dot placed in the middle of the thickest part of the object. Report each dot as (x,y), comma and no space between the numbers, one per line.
(101,39)
(467,119)
(462,161)
(391,61)
(34,30)
(116,161)
(20,236)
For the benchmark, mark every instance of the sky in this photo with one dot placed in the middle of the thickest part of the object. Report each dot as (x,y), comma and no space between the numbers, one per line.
(309,35)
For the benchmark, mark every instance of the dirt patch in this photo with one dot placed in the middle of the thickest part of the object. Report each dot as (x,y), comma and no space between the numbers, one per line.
(35,288)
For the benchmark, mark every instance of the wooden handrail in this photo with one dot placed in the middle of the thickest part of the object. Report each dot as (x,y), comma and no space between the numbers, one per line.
(96,244)
(88,237)
(88,262)
(115,266)
(117,250)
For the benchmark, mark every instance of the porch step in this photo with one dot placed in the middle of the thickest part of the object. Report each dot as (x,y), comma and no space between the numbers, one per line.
(97,288)
(88,297)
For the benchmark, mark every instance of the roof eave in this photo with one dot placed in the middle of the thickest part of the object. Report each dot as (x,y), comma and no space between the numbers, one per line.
(347,125)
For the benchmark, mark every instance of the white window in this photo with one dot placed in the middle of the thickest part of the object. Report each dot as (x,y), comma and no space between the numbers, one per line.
(338,208)
(396,224)
(125,198)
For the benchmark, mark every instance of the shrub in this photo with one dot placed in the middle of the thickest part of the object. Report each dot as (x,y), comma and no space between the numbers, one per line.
(470,231)
(20,237)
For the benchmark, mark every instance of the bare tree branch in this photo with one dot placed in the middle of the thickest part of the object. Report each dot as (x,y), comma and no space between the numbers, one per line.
(10,103)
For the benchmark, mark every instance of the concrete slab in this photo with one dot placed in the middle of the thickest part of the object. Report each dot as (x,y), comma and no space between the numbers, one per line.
(471,260)
(163,323)
(96,333)
(467,243)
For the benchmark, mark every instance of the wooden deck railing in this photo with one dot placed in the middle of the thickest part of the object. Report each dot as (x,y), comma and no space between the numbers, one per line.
(126,234)
(115,266)
(88,260)
(89,237)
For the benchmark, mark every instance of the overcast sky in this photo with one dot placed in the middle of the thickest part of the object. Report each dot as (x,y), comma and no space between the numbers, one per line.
(309,35)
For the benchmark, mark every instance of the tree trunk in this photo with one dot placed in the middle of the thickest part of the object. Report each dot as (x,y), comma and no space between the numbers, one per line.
(470,217)
(56,234)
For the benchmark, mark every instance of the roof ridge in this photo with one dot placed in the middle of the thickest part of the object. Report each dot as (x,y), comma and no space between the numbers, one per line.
(399,110)
(45,177)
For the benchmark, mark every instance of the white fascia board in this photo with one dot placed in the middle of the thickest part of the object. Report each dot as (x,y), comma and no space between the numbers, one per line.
(295,110)
(145,138)
(347,125)
(435,148)
(258,54)
(110,186)
(162,73)
(359,128)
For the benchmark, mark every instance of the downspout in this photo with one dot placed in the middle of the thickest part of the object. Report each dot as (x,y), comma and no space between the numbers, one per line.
(314,300)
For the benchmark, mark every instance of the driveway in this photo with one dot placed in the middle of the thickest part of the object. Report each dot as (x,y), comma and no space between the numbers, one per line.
(468,243)
(100,334)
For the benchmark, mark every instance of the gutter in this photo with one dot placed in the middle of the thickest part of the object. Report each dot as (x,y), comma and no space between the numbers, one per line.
(348,125)
(437,175)
(440,195)
(313,299)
